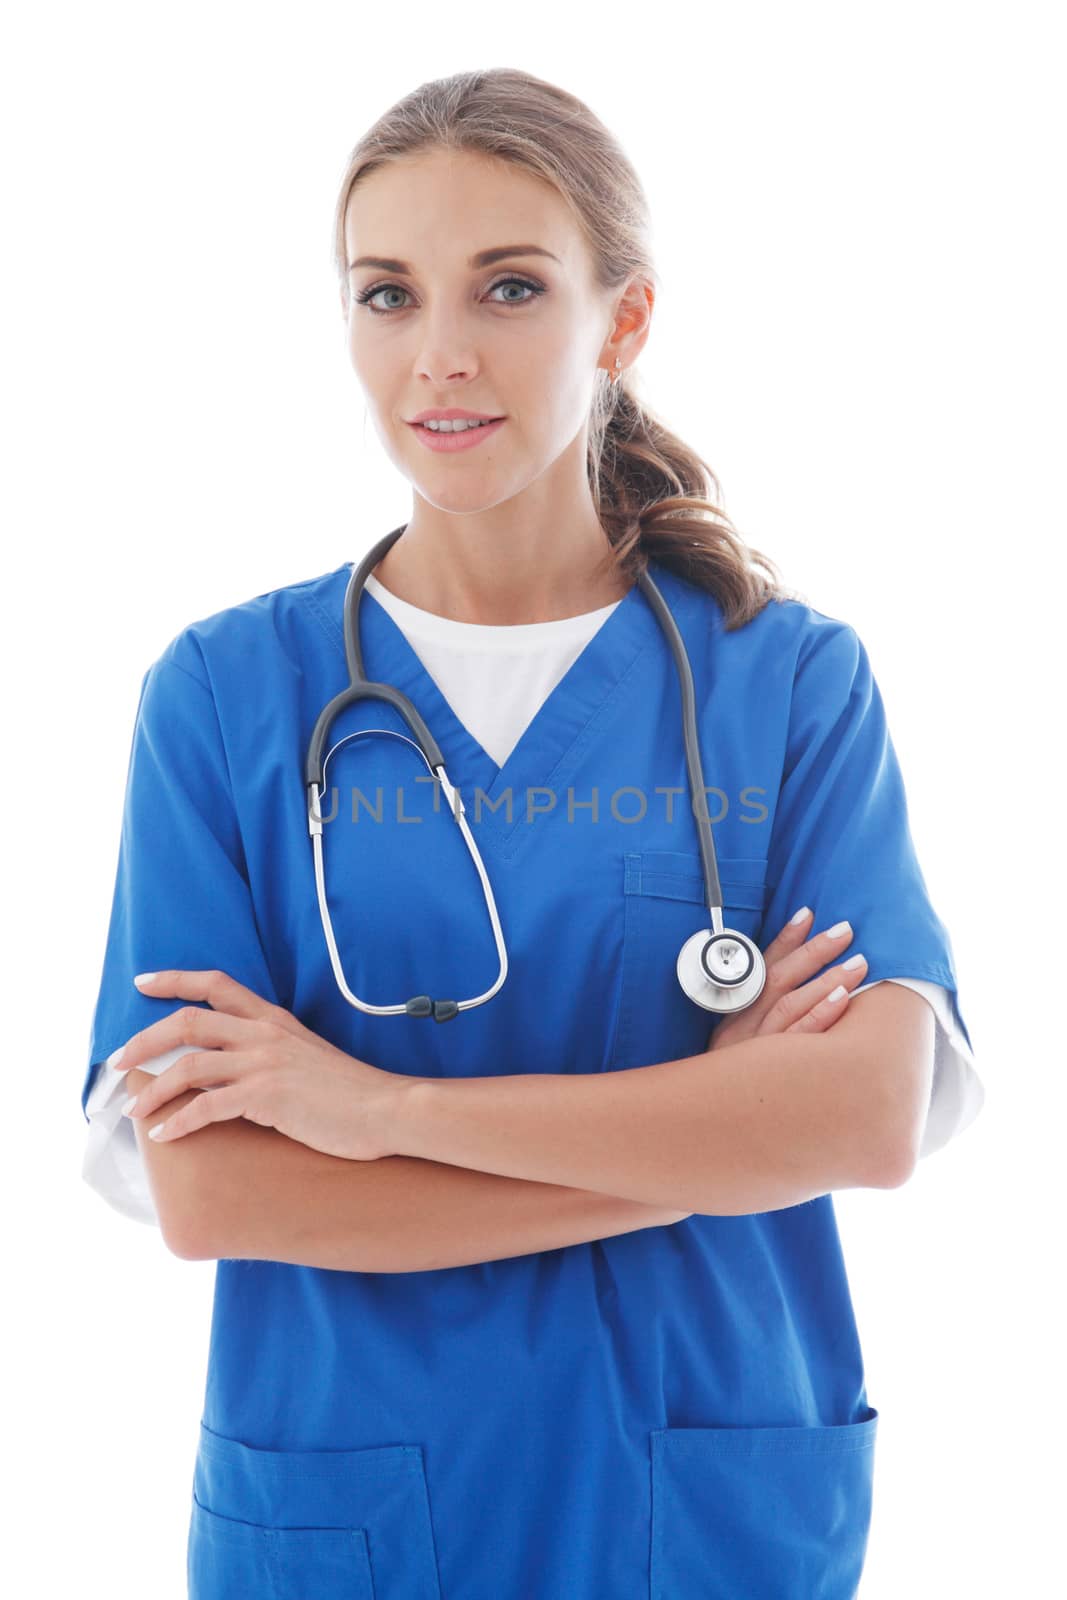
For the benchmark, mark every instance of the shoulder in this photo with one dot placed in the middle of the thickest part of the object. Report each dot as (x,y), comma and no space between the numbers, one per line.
(787,639)
(251,640)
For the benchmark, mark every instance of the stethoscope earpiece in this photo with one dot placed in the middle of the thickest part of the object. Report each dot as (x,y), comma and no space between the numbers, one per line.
(721,971)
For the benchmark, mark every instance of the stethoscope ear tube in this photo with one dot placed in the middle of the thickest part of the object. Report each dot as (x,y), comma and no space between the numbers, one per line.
(314,770)
(418,1005)
(360,688)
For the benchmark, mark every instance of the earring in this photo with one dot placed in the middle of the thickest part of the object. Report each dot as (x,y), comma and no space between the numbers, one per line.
(617,374)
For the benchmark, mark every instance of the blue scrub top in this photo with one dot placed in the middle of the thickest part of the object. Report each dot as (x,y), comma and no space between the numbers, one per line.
(678,1411)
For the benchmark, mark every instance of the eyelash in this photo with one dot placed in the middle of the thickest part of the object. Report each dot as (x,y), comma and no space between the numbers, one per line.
(367,295)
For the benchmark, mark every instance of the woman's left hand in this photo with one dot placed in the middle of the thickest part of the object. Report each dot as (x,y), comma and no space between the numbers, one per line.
(270,1069)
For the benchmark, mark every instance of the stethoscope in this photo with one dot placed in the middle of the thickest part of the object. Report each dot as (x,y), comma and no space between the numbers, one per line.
(719,969)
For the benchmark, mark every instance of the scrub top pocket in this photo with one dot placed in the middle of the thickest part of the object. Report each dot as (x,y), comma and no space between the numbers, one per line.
(767,1513)
(663,905)
(289,1524)
(241,1558)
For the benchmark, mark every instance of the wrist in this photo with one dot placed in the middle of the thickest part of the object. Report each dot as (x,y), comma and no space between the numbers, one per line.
(401,1113)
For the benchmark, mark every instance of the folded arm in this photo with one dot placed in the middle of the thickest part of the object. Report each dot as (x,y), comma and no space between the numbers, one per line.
(236,1190)
(497,1167)
(757,1126)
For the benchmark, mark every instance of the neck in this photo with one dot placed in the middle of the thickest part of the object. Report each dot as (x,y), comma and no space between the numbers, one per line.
(472,576)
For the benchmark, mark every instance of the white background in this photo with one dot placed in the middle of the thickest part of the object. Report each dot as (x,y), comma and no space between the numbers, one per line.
(858,224)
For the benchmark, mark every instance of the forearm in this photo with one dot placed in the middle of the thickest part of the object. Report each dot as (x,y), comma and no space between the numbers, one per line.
(757,1126)
(262,1196)
(169,1169)
(402,1214)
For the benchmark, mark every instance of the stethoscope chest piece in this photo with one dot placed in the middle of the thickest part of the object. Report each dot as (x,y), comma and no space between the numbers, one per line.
(721,971)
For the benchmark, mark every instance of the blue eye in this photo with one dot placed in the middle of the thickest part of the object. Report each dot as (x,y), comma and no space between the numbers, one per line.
(368,295)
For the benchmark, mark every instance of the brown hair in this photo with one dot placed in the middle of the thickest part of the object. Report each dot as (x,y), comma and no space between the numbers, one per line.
(653,494)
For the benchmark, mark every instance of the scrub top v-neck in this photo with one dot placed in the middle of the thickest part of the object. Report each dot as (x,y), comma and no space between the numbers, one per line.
(546,746)
(675,1411)
(494,676)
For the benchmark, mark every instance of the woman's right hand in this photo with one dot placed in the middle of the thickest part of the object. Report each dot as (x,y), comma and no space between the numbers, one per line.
(790,1003)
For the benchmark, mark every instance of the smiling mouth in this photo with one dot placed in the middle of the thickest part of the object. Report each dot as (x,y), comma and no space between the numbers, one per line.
(469,427)
(448,441)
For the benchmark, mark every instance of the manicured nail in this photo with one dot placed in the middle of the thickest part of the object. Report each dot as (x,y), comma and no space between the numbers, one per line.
(838,929)
(144,977)
(115,1056)
(852,962)
(805,911)
(131,1102)
(154,1133)
(837,994)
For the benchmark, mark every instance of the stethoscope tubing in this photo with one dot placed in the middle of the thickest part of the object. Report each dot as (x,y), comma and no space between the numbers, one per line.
(705,976)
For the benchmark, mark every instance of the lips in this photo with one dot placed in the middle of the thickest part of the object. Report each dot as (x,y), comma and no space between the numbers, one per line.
(478,422)
(447,441)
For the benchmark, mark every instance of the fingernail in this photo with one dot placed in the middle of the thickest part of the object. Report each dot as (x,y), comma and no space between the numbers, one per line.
(154,1133)
(143,977)
(838,929)
(852,962)
(132,1101)
(115,1056)
(799,916)
(837,994)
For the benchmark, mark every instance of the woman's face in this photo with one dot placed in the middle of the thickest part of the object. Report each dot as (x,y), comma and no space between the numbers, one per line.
(519,338)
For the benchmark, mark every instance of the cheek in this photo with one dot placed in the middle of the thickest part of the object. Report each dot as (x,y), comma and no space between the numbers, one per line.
(566,416)
(569,390)
(369,367)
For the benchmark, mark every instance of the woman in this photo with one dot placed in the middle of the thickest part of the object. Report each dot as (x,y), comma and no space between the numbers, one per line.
(494,1317)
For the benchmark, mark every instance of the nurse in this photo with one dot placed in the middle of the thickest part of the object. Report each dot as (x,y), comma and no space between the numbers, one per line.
(547,1301)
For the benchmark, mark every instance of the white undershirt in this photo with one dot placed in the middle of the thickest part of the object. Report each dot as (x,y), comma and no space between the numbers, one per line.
(495,677)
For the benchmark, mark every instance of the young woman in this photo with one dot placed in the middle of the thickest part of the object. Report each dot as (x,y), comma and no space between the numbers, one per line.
(532,1286)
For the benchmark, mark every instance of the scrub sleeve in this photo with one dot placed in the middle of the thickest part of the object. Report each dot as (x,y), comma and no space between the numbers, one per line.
(181,897)
(841,843)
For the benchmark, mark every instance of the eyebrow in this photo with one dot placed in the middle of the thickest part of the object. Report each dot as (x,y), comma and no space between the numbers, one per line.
(484,258)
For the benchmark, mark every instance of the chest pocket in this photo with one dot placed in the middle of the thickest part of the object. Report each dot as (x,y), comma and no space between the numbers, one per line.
(663,903)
